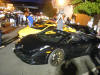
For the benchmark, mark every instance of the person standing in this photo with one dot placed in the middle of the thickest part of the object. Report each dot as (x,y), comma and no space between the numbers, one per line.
(60,21)
(24,20)
(30,20)
(15,20)
(1,46)
(0,38)
(90,23)
(67,21)
(12,19)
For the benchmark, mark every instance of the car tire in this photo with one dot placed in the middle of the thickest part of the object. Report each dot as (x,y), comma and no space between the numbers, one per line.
(56,58)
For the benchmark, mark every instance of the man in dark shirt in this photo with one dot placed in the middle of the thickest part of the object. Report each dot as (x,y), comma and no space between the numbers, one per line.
(1,46)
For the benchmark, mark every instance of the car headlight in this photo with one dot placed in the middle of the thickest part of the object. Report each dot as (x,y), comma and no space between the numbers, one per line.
(44,47)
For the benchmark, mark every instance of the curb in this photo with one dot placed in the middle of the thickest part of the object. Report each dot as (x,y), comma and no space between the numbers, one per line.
(10,37)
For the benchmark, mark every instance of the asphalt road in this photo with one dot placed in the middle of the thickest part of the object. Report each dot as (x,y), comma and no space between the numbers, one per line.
(10,64)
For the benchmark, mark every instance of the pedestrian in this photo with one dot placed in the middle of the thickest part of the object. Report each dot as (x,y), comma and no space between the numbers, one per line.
(0,38)
(21,19)
(60,22)
(73,19)
(90,23)
(30,20)
(18,19)
(15,20)
(12,19)
(67,21)
(24,20)
(1,46)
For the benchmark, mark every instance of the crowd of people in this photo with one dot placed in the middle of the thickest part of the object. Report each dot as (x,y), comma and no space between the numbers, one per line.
(18,19)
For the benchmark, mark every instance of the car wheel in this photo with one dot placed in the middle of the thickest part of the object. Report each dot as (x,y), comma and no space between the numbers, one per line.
(56,57)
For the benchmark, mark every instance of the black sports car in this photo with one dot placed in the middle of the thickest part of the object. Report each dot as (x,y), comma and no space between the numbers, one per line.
(82,28)
(54,48)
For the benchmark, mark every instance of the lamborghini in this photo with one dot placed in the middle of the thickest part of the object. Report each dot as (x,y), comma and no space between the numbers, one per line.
(54,46)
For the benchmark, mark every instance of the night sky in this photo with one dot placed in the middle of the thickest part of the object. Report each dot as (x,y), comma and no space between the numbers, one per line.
(36,1)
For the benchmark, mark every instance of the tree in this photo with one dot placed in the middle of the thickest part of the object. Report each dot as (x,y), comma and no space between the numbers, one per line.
(90,7)
(48,10)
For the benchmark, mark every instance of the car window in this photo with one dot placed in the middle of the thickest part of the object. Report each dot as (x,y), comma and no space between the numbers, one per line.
(52,27)
(40,27)
(50,36)
(50,23)
(50,32)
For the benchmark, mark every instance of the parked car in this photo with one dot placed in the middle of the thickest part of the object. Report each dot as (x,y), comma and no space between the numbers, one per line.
(40,26)
(84,29)
(55,47)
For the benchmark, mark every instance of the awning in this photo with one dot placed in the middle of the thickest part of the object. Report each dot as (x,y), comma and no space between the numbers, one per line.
(32,7)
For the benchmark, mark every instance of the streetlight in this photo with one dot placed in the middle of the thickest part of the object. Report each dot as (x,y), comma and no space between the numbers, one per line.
(61,2)
(58,3)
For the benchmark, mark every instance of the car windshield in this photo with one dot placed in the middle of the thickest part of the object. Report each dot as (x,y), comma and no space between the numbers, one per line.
(50,23)
(41,27)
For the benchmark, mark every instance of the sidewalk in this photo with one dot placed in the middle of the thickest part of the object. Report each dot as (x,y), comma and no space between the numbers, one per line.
(9,37)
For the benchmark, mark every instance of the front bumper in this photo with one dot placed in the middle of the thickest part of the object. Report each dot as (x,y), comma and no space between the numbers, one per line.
(32,59)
